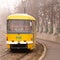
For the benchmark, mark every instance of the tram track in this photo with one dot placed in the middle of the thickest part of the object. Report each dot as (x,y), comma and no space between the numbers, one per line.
(32,55)
(16,55)
(21,57)
(5,53)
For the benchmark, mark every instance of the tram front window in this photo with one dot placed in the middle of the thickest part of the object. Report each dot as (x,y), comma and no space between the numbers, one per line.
(19,26)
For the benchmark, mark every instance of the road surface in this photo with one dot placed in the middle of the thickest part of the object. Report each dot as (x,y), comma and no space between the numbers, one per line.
(53,50)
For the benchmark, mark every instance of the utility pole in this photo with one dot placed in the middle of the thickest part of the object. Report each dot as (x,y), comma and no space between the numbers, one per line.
(24,5)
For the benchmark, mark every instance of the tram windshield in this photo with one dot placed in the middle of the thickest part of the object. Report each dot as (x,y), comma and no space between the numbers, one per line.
(19,26)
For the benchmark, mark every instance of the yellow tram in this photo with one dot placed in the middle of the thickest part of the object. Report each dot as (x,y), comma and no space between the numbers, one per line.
(21,31)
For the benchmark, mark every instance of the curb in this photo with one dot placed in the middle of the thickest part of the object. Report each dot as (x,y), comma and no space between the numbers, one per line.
(44,52)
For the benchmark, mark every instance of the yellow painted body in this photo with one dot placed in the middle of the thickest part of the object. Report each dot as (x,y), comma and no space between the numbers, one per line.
(21,16)
(21,37)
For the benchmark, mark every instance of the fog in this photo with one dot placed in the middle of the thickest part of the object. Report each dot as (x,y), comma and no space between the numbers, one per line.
(7,7)
(46,13)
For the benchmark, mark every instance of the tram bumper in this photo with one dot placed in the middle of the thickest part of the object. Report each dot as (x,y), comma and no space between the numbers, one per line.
(20,45)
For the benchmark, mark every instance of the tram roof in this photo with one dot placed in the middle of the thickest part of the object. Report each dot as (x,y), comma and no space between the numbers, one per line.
(21,16)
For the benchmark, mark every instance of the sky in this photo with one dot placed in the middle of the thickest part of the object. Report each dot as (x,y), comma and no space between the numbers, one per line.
(10,4)
(7,7)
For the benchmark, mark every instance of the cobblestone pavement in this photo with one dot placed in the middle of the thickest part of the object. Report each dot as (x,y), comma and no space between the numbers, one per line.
(53,50)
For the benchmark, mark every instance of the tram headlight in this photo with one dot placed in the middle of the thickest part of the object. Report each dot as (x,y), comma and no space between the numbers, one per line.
(7,38)
(31,39)
(12,40)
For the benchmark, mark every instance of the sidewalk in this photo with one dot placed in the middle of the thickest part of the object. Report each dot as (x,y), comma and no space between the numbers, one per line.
(49,37)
